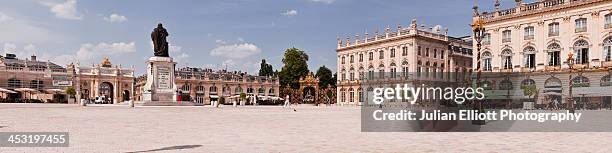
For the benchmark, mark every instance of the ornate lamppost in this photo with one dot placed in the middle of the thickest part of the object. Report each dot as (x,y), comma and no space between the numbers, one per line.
(479,32)
(570,99)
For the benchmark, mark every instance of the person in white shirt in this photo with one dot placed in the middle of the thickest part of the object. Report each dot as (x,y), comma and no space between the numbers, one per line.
(287,101)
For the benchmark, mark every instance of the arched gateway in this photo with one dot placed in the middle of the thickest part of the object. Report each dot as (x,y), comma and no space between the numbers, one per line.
(106,89)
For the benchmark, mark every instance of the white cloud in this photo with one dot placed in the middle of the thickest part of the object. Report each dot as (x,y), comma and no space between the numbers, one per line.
(90,51)
(64,59)
(115,18)
(290,13)
(181,57)
(9,48)
(25,52)
(236,51)
(5,18)
(230,64)
(175,49)
(219,41)
(66,10)
(18,29)
(323,1)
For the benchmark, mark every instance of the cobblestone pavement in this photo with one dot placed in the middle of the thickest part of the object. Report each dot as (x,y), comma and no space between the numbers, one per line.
(260,129)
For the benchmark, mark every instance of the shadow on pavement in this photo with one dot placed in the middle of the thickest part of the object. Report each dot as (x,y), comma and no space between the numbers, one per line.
(169,148)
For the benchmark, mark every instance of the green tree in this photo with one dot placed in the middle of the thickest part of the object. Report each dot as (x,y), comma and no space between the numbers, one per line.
(325,77)
(530,91)
(295,66)
(71,91)
(243,96)
(265,69)
(335,78)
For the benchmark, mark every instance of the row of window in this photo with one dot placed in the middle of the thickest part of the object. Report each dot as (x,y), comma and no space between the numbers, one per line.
(553,30)
(581,53)
(435,52)
(381,54)
(213,89)
(578,81)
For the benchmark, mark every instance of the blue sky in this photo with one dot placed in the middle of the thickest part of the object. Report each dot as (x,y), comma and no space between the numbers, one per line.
(210,33)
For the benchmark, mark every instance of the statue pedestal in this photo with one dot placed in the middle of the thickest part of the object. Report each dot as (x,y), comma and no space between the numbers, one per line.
(160,85)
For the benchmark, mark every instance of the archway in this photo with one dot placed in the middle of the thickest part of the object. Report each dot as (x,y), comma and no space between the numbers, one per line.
(553,92)
(126,95)
(106,90)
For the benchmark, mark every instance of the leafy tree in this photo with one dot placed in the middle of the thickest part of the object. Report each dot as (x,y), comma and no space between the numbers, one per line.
(243,96)
(335,78)
(71,91)
(221,101)
(295,66)
(530,91)
(325,77)
(265,69)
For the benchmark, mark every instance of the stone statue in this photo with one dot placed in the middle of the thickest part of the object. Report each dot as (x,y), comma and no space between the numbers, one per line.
(160,45)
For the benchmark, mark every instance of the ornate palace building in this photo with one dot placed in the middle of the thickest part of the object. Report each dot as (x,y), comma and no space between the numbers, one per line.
(113,82)
(31,79)
(537,38)
(205,85)
(415,53)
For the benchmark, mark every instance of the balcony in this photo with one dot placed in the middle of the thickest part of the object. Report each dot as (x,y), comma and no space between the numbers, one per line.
(506,40)
(527,69)
(486,42)
(534,7)
(579,30)
(552,68)
(505,70)
(606,64)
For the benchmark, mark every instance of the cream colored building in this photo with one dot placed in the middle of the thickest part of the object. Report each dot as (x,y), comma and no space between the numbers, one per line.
(113,82)
(395,55)
(537,37)
(23,80)
(205,85)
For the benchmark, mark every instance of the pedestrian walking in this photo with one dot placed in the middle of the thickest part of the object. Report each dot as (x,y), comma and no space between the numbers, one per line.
(287,103)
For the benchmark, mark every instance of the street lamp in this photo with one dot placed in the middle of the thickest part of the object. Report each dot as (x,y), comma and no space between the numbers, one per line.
(479,32)
(570,101)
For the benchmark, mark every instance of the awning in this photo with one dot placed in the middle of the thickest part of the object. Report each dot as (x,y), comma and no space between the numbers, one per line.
(232,97)
(55,91)
(269,98)
(25,90)
(6,90)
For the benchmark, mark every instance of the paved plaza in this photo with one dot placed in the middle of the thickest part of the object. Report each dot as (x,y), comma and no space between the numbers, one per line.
(259,129)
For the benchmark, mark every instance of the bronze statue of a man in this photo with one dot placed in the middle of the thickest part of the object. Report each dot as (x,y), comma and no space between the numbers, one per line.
(160,45)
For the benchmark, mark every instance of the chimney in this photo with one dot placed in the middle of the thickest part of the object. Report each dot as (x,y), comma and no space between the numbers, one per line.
(33,58)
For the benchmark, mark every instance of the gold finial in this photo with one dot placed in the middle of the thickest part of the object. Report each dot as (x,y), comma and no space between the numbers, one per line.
(106,62)
(478,23)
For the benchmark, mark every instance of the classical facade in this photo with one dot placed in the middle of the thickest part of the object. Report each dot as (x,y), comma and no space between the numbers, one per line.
(31,79)
(205,85)
(414,53)
(537,39)
(113,82)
